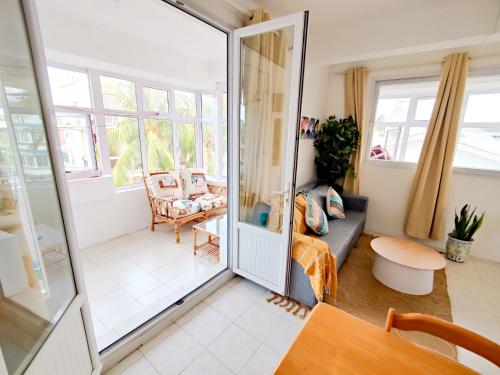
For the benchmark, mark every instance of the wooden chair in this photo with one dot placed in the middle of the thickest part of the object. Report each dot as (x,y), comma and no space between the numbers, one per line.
(445,330)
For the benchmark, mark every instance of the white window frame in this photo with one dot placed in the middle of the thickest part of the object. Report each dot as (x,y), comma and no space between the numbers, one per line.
(98,113)
(414,123)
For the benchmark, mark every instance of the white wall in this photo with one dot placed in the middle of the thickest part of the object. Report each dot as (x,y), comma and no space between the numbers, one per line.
(388,186)
(102,213)
(313,105)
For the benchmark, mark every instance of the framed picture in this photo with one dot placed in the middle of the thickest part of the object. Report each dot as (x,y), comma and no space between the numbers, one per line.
(309,127)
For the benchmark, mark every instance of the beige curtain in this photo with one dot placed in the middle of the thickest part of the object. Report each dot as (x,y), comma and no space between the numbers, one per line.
(426,207)
(263,86)
(355,107)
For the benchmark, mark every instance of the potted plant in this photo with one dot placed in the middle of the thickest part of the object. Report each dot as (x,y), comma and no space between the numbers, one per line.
(460,239)
(335,142)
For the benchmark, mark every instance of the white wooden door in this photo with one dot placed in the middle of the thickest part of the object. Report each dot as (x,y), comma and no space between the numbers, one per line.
(267,87)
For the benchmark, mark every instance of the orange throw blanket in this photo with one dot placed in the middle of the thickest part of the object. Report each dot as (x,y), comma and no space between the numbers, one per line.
(313,255)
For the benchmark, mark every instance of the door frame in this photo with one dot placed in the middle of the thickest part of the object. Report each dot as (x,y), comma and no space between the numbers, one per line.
(300,21)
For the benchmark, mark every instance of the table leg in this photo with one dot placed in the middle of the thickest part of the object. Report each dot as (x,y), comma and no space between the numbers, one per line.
(194,241)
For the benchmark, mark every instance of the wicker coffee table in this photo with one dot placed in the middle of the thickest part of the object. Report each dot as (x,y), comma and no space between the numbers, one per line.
(212,228)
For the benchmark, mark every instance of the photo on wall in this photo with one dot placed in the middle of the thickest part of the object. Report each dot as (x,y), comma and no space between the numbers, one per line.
(309,127)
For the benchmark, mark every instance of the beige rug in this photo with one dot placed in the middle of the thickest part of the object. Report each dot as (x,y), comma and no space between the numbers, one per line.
(360,294)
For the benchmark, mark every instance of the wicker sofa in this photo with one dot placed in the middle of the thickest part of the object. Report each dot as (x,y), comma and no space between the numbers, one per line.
(179,198)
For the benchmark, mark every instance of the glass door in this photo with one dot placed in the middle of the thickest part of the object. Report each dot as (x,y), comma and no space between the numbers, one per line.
(268,62)
(36,276)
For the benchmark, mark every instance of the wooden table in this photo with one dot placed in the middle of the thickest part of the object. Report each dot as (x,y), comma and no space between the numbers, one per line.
(335,342)
(212,228)
(405,266)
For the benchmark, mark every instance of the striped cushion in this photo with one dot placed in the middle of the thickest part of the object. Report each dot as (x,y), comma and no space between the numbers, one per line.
(315,217)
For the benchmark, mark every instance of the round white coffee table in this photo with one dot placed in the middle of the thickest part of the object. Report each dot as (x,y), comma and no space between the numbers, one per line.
(405,266)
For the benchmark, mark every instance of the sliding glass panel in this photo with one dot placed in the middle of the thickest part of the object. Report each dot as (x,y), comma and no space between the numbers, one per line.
(209,155)
(124,149)
(187,143)
(118,94)
(159,138)
(224,149)
(36,280)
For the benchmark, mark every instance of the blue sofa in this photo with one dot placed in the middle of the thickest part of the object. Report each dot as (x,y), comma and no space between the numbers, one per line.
(342,236)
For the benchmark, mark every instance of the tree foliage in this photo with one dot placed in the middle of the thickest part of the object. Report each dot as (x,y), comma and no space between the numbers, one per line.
(336,141)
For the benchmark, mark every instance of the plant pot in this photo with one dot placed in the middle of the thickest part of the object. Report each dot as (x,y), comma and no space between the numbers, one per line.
(457,250)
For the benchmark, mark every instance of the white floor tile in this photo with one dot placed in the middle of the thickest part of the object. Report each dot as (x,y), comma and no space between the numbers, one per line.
(107,304)
(263,362)
(149,299)
(134,364)
(206,364)
(231,303)
(258,321)
(206,325)
(234,347)
(142,285)
(282,336)
(172,351)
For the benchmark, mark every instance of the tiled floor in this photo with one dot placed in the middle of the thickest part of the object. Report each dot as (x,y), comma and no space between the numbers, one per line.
(235,331)
(132,278)
(474,289)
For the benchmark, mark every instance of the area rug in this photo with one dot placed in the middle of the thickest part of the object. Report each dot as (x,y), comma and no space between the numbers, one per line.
(361,295)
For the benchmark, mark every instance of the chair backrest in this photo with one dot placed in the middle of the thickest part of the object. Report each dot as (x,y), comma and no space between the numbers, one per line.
(447,331)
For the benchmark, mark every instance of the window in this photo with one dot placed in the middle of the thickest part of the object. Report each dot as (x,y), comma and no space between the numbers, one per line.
(402,114)
(187,145)
(69,88)
(224,149)
(478,144)
(209,106)
(124,149)
(185,104)
(209,151)
(160,145)
(77,142)
(118,94)
(155,100)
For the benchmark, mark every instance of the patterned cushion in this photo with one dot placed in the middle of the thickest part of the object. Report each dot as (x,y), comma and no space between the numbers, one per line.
(379,153)
(315,216)
(194,182)
(165,185)
(184,207)
(209,201)
(334,205)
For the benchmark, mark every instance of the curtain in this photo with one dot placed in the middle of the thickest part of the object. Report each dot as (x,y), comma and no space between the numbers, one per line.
(262,94)
(355,107)
(426,207)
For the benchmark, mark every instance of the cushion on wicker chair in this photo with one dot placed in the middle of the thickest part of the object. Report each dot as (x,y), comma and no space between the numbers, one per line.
(182,207)
(210,201)
(194,182)
(165,185)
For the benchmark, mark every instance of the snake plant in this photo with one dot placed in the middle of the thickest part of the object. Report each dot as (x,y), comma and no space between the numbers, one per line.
(466,224)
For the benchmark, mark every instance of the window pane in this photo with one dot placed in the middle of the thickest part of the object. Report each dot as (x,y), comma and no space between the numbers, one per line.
(414,144)
(77,145)
(384,142)
(187,145)
(478,148)
(155,100)
(224,106)
(392,110)
(69,88)
(124,149)
(159,138)
(209,154)
(224,149)
(424,109)
(118,94)
(185,104)
(209,106)
(483,108)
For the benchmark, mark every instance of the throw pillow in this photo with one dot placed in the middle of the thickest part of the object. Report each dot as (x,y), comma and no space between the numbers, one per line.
(194,183)
(165,185)
(334,204)
(315,216)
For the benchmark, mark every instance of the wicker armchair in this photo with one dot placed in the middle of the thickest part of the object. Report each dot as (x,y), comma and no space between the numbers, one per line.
(162,211)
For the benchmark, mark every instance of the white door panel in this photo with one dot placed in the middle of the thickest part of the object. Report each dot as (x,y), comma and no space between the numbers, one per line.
(267,86)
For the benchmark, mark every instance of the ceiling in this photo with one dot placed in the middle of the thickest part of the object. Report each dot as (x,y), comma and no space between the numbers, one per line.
(150,21)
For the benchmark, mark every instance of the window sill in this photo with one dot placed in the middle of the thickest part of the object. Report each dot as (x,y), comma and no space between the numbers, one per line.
(408,165)
(83,175)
